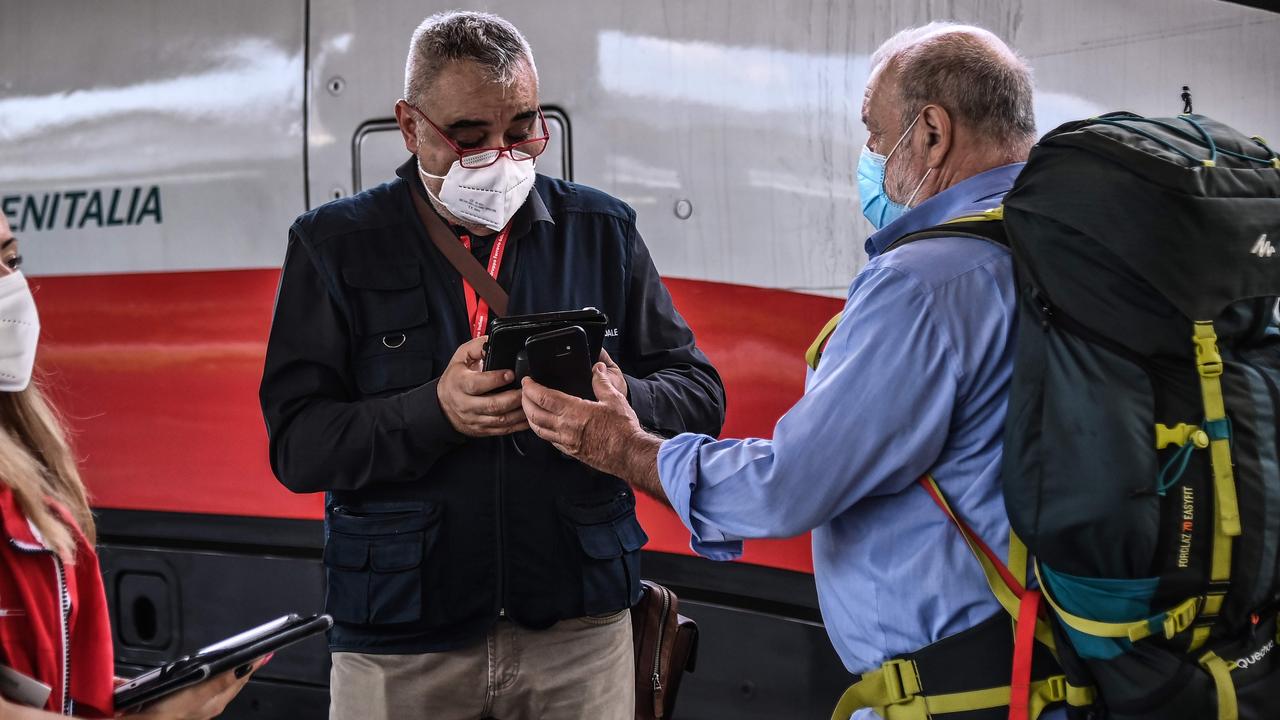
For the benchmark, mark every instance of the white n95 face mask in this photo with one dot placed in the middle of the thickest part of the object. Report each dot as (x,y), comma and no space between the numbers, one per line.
(488,196)
(19,332)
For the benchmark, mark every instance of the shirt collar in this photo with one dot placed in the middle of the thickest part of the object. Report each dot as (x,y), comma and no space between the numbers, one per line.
(533,210)
(972,194)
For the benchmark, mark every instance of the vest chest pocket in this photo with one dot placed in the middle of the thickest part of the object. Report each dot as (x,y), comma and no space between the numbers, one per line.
(389,311)
(373,562)
(610,537)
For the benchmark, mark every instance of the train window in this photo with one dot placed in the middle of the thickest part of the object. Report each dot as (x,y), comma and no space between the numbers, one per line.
(378,150)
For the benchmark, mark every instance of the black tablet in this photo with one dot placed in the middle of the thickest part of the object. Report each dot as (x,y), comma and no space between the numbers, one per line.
(507,335)
(218,658)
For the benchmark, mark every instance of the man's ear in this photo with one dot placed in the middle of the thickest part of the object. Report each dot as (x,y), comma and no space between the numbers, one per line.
(938,135)
(408,122)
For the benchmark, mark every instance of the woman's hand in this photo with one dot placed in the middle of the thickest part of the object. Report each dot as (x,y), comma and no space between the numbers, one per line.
(200,702)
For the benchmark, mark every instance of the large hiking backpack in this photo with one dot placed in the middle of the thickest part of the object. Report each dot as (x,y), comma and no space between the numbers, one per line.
(1142,465)
(1142,460)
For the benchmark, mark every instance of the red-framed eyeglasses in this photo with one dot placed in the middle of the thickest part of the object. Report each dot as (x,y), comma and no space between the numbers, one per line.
(474,158)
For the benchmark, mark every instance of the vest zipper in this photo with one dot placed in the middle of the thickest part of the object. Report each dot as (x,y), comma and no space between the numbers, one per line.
(657,653)
(498,519)
(64,615)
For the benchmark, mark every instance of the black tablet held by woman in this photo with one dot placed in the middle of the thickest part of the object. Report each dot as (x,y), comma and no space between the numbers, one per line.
(218,658)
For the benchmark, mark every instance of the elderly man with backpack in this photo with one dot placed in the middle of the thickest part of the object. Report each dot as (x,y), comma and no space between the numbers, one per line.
(1130,429)
(912,381)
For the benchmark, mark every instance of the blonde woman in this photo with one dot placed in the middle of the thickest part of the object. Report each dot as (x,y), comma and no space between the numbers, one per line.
(54,625)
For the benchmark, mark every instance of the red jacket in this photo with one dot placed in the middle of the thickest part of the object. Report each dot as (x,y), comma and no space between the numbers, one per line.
(53,617)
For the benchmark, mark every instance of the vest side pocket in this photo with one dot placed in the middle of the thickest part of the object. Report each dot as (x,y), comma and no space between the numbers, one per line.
(373,562)
(610,537)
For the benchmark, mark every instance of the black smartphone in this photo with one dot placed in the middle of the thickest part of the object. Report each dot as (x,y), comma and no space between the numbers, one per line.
(561,360)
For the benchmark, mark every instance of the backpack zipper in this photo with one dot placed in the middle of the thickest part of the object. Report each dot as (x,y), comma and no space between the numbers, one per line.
(498,518)
(1053,316)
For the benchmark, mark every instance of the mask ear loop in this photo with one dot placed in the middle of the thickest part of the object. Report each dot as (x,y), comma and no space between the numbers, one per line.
(423,174)
(905,133)
(422,177)
(917,190)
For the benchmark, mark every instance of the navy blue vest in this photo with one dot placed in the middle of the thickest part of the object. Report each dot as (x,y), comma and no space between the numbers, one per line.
(494,526)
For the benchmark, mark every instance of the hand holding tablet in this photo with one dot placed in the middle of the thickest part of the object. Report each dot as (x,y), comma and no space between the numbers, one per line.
(238,651)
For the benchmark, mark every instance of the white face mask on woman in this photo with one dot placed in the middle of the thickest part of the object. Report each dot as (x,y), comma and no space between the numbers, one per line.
(19,332)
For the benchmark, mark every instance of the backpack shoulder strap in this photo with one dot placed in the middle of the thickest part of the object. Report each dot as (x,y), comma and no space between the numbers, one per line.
(987,225)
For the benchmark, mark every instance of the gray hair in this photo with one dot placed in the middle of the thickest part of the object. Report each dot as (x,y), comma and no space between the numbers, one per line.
(481,37)
(971,73)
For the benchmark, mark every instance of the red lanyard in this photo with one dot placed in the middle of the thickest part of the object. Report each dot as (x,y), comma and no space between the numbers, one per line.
(477,308)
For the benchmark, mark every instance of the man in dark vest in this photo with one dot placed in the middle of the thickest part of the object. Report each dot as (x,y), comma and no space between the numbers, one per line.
(465,571)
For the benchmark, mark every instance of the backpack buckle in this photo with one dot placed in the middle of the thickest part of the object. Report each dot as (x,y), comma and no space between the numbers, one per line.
(1180,435)
(1181,617)
(1208,361)
(1056,688)
(900,681)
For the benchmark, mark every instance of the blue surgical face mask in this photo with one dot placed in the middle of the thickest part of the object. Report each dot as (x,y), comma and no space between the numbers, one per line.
(876,205)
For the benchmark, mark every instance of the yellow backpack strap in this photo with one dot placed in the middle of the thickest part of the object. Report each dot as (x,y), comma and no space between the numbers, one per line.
(814,354)
(1017,558)
(1003,588)
(896,684)
(1226,521)
(1220,670)
(995,213)
(1170,622)
(983,225)
(895,693)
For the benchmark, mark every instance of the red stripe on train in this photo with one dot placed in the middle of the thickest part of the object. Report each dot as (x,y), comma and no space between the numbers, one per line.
(158,376)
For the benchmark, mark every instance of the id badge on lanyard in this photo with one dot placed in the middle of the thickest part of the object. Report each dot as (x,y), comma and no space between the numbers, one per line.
(477,307)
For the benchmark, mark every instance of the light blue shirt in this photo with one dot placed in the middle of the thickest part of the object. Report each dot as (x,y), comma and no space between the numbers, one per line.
(914,380)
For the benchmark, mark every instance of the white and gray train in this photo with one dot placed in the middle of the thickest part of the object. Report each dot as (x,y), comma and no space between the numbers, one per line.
(153,154)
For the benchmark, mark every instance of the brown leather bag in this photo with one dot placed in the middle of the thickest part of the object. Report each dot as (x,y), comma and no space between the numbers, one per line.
(666,646)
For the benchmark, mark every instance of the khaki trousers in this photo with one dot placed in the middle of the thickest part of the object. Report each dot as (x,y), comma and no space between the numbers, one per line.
(580,669)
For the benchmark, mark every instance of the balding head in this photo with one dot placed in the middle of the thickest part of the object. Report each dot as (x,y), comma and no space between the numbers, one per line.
(968,71)
(944,102)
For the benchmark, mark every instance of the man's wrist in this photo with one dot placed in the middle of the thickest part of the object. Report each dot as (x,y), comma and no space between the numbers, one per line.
(640,466)
(426,419)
